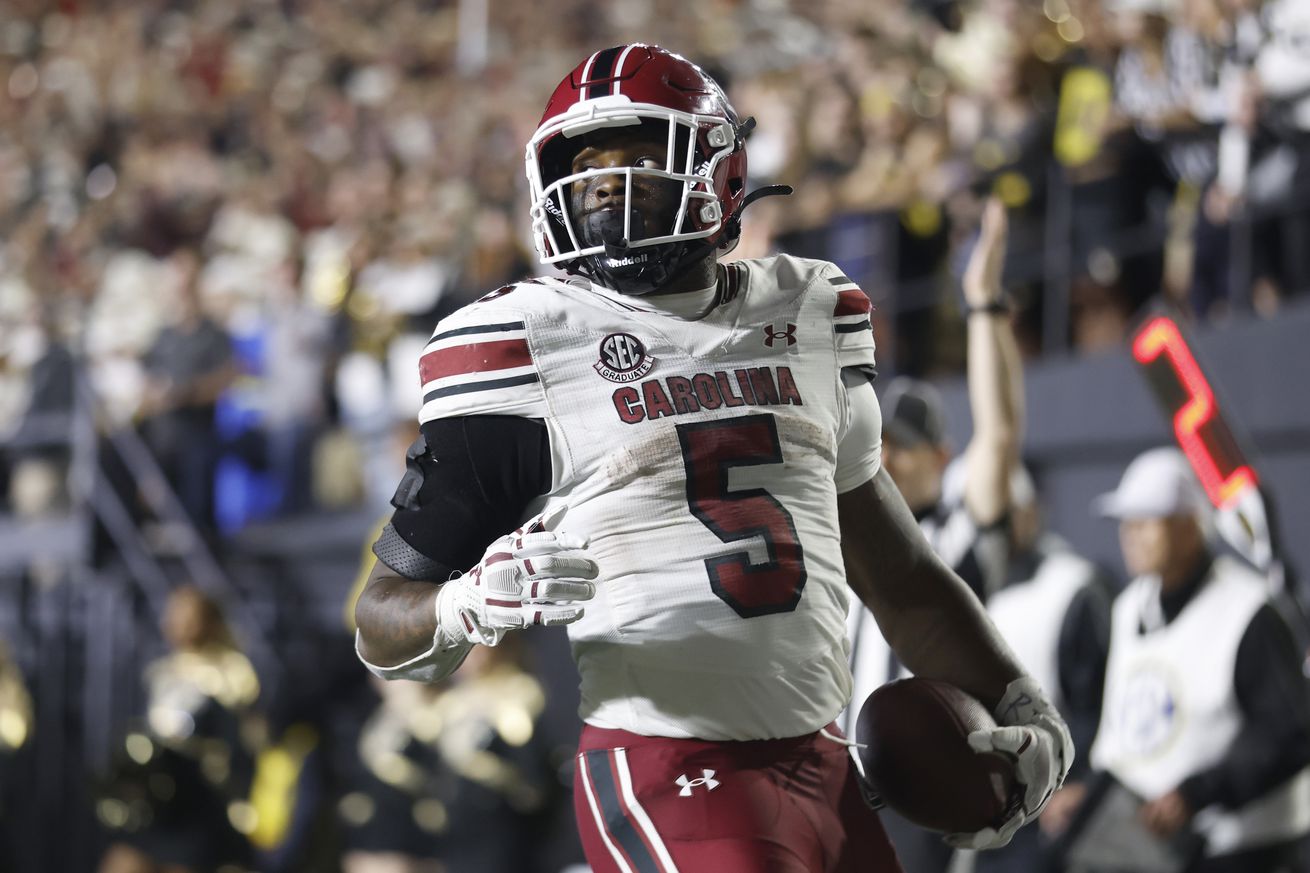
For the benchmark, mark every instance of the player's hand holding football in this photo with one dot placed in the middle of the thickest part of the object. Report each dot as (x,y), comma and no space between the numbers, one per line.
(1030,732)
(524,578)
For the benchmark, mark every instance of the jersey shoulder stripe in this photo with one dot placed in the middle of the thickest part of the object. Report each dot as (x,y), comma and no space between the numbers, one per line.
(475,357)
(853,307)
(850,299)
(852,324)
(474,329)
(479,362)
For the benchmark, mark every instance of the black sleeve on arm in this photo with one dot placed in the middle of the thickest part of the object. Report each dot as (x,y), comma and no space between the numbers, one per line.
(472,484)
(1083,648)
(1274,743)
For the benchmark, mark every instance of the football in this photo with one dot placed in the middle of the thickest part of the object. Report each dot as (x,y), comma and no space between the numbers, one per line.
(916,755)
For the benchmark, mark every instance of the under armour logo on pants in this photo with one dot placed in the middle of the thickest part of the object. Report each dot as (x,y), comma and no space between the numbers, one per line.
(707,780)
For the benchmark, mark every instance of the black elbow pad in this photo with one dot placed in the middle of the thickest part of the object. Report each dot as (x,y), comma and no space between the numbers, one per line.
(392,550)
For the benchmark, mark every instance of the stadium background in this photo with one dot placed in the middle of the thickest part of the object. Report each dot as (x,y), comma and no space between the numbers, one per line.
(336,176)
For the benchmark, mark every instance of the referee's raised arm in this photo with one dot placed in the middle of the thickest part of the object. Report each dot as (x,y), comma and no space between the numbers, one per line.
(995,377)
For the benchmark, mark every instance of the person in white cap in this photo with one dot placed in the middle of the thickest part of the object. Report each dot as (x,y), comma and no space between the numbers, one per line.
(1206,714)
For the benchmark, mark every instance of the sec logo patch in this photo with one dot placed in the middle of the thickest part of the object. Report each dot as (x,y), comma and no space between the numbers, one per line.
(623,358)
(1148,711)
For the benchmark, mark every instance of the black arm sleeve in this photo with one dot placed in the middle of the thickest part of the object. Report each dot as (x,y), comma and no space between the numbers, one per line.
(472,484)
(1083,647)
(1274,743)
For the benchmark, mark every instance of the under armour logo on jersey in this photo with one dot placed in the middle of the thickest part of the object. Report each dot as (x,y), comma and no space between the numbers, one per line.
(707,780)
(771,336)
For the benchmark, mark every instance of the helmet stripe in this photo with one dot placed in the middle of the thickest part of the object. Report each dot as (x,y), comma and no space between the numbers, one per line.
(601,71)
(586,76)
(618,69)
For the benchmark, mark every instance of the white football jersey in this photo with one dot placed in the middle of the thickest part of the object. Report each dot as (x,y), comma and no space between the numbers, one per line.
(698,458)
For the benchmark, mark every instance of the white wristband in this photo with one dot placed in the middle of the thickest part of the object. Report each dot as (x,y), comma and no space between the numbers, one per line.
(447,652)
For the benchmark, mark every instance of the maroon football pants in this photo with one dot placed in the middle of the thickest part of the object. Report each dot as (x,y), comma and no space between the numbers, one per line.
(660,805)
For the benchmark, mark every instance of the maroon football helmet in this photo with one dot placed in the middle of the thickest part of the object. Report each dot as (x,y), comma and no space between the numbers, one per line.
(663,96)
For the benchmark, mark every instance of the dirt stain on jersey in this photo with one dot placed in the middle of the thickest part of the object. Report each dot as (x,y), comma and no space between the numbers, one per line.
(637,459)
(811,437)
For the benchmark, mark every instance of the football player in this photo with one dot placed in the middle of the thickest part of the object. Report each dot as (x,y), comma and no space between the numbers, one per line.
(687,453)
(964,507)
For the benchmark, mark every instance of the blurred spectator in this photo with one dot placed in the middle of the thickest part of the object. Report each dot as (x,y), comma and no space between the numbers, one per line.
(288,801)
(16,728)
(494,258)
(15,707)
(177,799)
(295,387)
(1106,299)
(1206,715)
(1147,88)
(188,366)
(455,776)
(1282,82)
(37,448)
(1252,225)
(1054,611)
(1011,155)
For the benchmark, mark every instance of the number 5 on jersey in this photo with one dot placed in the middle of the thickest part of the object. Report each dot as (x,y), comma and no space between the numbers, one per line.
(710,450)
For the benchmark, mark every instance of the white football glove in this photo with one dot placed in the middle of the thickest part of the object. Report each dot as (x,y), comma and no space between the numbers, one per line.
(522,579)
(1033,734)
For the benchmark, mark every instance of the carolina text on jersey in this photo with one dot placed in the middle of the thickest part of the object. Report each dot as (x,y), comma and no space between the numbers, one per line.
(679,395)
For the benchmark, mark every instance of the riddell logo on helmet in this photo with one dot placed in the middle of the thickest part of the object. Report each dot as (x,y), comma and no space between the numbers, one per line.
(623,358)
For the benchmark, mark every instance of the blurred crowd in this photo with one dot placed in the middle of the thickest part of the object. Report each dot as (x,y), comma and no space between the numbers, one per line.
(323,180)
(210,779)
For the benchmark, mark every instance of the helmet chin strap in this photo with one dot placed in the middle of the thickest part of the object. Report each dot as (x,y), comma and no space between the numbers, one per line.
(637,272)
(627,270)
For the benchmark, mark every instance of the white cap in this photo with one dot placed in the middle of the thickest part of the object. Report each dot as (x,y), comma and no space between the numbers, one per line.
(1157,483)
